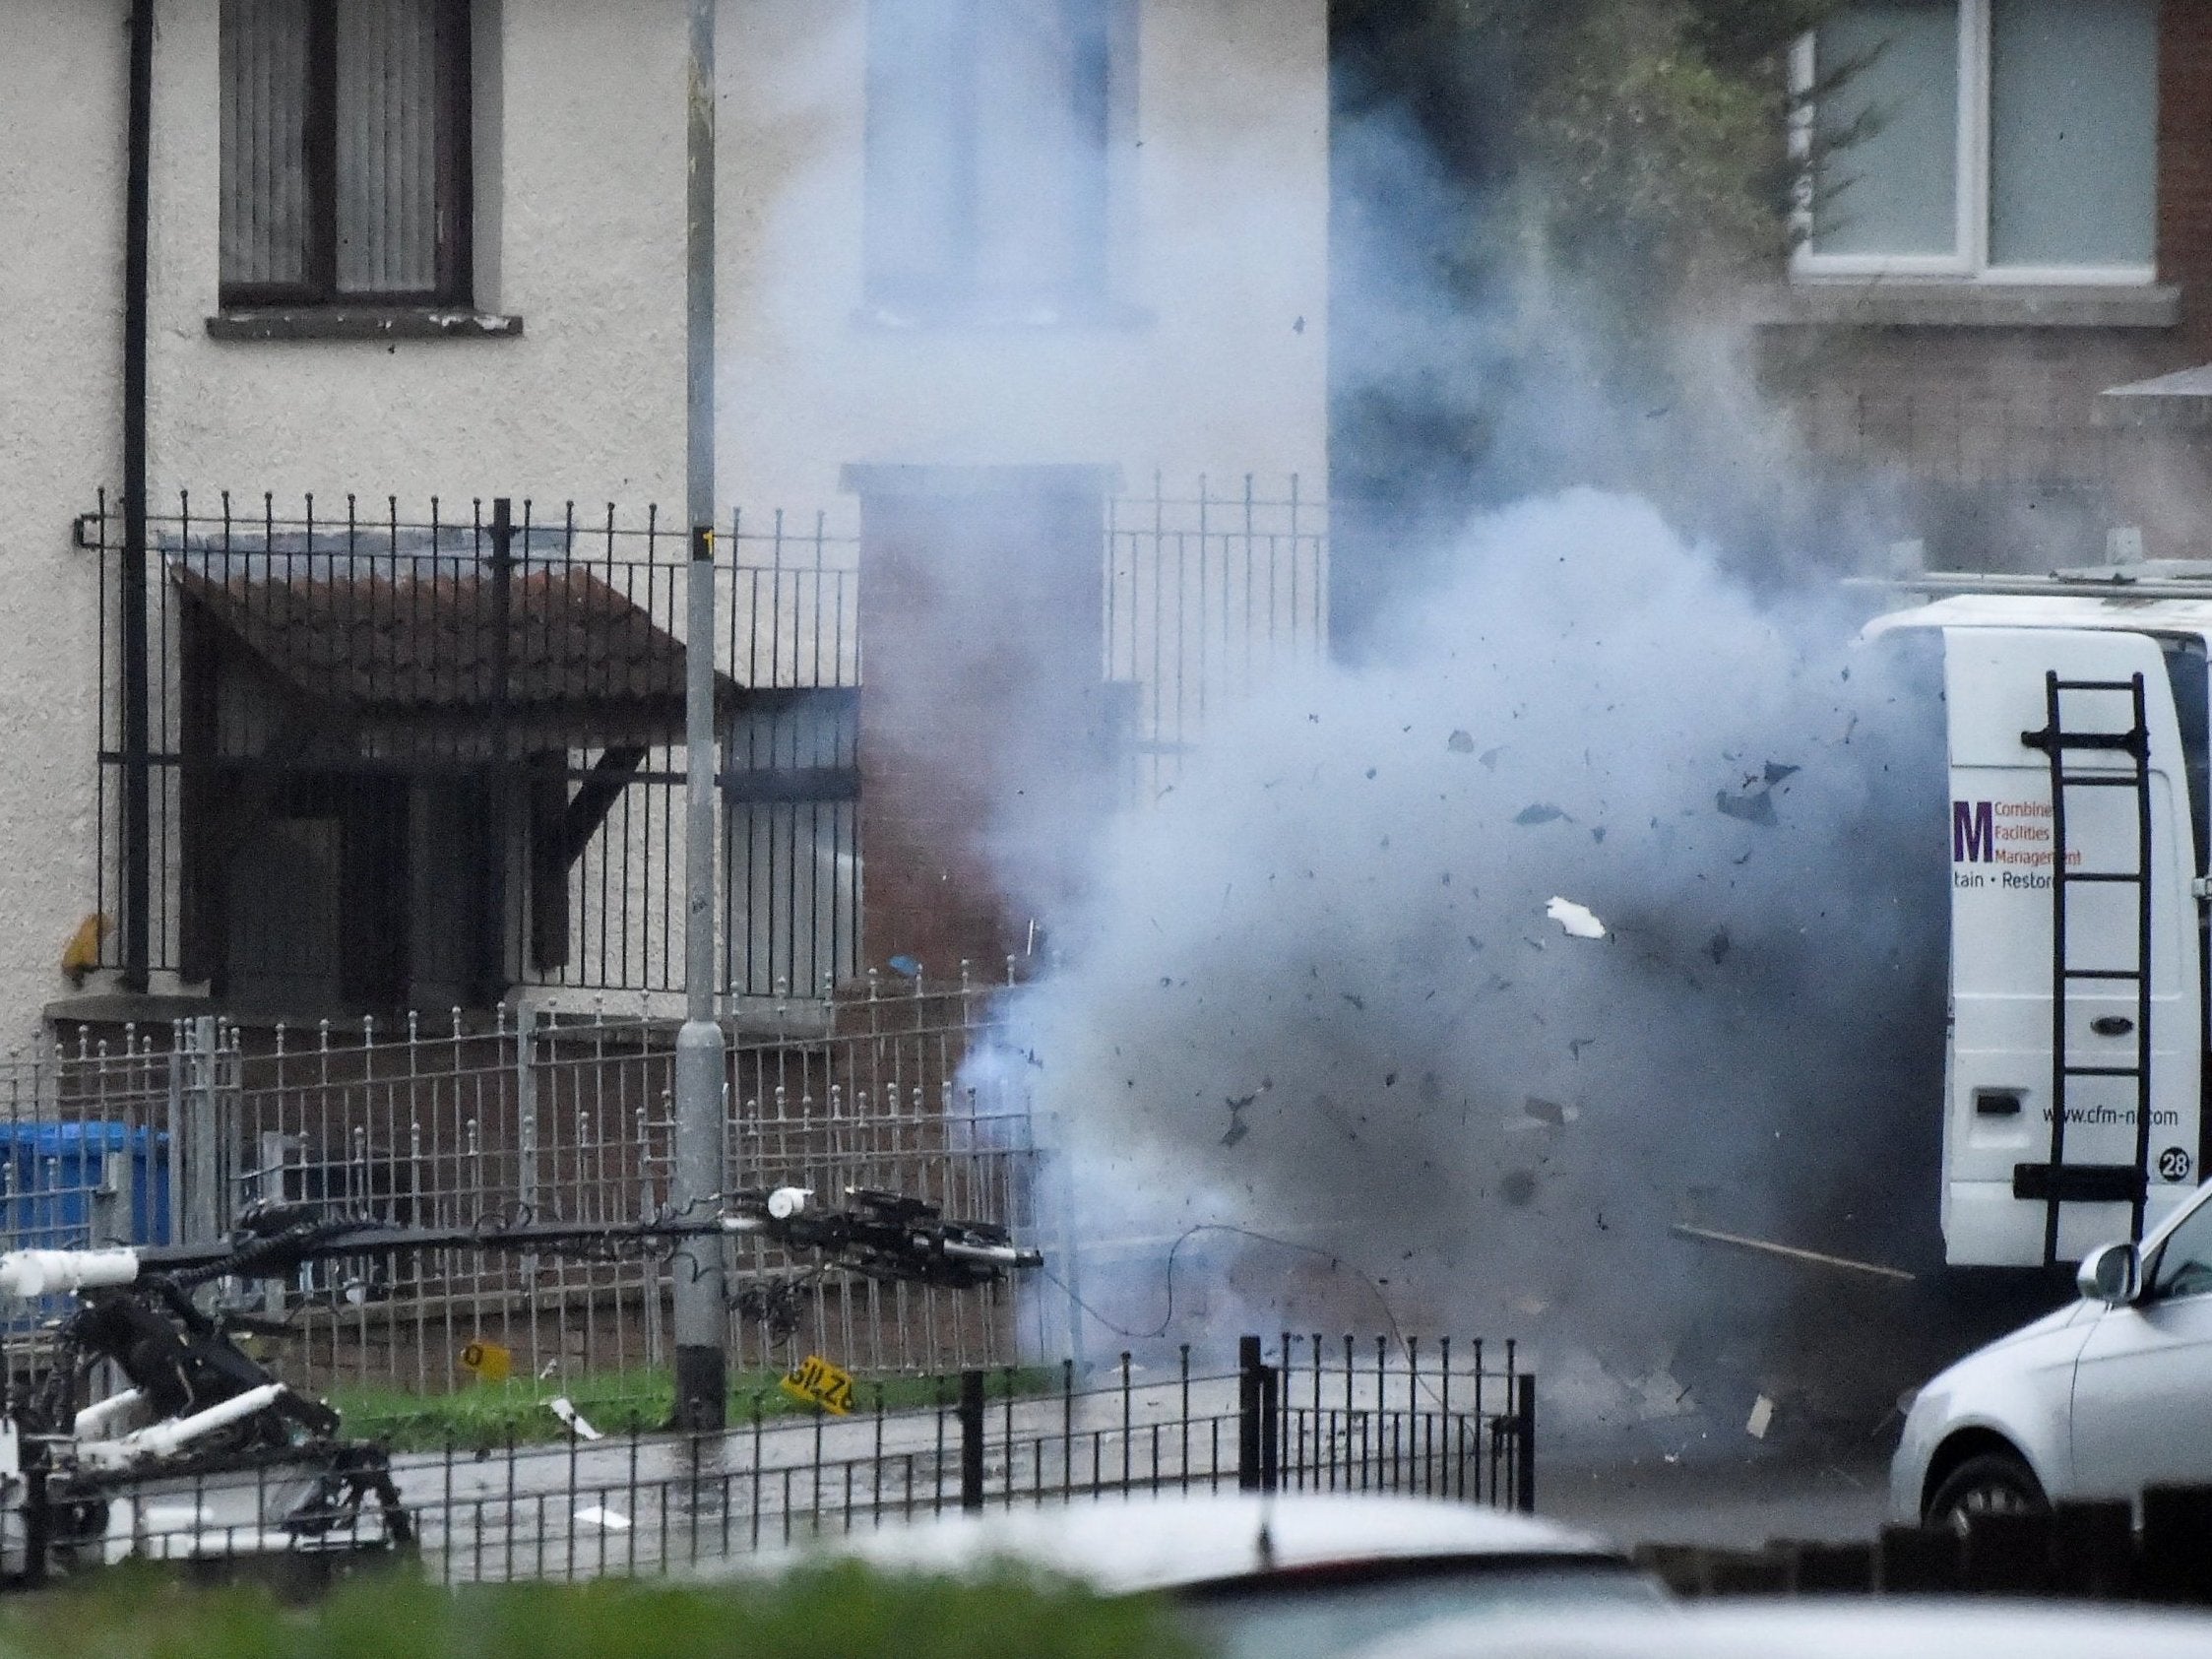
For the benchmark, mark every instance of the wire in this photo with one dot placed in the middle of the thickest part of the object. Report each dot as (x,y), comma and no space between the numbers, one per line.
(1337,1264)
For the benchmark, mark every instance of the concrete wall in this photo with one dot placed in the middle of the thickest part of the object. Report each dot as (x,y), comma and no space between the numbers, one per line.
(1213,358)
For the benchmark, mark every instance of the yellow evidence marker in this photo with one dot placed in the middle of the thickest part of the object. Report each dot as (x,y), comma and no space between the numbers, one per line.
(820,1383)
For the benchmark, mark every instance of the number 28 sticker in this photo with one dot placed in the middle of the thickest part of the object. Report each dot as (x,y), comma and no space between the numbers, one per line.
(2173,1163)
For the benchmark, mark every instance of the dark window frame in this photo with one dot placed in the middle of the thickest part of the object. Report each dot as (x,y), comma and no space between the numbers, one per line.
(456,176)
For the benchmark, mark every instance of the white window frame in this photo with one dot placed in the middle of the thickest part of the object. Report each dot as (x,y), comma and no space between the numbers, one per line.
(1971,263)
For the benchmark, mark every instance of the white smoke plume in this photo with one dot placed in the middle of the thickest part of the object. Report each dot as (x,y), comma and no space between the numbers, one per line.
(1314,993)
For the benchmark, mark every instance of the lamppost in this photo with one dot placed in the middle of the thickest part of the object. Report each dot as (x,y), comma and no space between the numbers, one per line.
(701,1312)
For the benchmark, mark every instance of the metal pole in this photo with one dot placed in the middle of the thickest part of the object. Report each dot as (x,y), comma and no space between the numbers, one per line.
(491,932)
(701,1315)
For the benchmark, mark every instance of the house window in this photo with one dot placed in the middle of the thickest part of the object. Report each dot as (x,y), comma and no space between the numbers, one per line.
(2008,139)
(987,129)
(344,151)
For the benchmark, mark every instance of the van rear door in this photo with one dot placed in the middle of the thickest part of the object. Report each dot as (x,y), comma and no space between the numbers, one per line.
(2063,1133)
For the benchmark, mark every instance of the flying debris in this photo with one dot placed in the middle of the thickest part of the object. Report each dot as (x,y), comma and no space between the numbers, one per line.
(1238,1128)
(1548,1110)
(1576,921)
(1777,770)
(1754,807)
(906,967)
(1542,812)
(1460,742)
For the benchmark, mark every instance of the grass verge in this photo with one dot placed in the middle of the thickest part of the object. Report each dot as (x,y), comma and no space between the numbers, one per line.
(518,1411)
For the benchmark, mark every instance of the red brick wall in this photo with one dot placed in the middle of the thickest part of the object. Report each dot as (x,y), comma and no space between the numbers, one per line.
(981,639)
(2184,165)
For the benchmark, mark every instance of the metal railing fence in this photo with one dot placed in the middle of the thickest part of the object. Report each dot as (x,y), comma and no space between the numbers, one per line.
(1438,1422)
(1208,594)
(378,758)
(163,1135)
(396,759)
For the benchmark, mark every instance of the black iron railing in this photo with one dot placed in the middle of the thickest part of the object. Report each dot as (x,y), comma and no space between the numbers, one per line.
(1435,1423)
(398,759)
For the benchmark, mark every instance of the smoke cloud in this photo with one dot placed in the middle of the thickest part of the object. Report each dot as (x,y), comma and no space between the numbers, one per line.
(1313,990)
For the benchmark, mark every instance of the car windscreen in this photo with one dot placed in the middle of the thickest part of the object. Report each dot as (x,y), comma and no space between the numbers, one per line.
(1321,1612)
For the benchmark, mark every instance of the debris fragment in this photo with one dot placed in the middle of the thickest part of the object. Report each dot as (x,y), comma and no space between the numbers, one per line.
(1542,812)
(562,1407)
(1577,921)
(1460,742)
(1237,1131)
(1717,946)
(1755,807)
(599,1515)
(1663,1394)
(1548,1110)
(1489,757)
(1791,1252)
(1358,1002)
(1518,1187)
(1575,1046)
(905,966)
(1762,1418)
(1776,771)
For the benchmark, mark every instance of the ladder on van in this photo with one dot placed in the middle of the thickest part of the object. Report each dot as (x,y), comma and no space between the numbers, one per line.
(2059,1182)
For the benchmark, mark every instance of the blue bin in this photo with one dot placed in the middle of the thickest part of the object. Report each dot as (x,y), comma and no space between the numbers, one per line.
(50,1172)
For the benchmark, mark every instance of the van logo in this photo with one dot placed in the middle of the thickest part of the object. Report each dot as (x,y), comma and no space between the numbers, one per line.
(1974,836)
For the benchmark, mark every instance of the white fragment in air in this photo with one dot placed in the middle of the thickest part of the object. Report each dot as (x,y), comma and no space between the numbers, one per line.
(1576,919)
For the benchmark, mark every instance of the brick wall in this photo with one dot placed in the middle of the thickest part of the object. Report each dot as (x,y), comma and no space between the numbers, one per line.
(980,638)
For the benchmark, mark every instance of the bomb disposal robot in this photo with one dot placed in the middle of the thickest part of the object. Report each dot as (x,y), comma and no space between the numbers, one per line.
(203,1454)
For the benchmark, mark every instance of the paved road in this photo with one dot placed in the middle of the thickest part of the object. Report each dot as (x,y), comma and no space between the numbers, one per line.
(1738,1502)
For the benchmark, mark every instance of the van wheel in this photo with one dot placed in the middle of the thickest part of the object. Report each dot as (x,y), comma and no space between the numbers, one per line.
(1993,1483)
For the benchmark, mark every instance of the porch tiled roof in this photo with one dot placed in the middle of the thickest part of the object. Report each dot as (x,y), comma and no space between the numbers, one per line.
(393,637)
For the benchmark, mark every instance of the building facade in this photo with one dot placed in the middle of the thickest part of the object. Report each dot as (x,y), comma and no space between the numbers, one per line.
(2001,292)
(408,257)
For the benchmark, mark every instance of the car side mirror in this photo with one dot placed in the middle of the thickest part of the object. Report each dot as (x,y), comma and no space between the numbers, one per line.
(2110,1274)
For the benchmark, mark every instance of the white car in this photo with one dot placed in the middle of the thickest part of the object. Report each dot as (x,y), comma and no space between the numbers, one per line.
(1296,1575)
(1817,1628)
(2100,1399)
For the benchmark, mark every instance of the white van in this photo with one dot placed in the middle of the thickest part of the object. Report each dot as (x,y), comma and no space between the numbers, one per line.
(2076,708)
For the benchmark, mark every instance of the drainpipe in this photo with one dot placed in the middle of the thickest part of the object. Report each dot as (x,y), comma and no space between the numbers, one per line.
(138,839)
